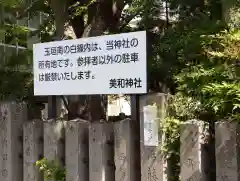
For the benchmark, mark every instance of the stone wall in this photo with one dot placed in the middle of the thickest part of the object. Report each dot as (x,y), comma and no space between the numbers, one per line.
(227,151)
(106,151)
(193,137)
(152,162)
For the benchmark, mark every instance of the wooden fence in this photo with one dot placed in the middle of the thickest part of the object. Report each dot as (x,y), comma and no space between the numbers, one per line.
(106,151)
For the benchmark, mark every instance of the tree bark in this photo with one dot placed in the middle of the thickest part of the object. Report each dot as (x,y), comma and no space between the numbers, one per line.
(60,15)
(102,15)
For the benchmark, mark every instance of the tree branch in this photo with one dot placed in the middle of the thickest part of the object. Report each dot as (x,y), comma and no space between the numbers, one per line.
(65,103)
(128,19)
(60,15)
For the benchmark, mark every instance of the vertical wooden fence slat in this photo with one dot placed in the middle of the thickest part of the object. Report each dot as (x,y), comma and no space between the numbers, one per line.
(227,136)
(33,149)
(77,151)
(124,151)
(54,141)
(11,163)
(152,163)
(101,152)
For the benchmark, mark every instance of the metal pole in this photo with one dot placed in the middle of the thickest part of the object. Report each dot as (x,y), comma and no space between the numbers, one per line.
(52,107)
(135,117)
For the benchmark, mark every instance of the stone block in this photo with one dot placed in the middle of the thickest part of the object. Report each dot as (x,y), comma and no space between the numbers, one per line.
(12,116)
(54,140)
(33,150)
(77,151)
(152,162)
(101,152)
(227,146)
(193,151)
(124,151)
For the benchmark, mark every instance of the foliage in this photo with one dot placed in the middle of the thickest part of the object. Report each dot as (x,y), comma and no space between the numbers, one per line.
(170,126)
(183,107)
(223,98)
(112,98)
(200,59)
(52,170)
(212,76)
(16,63)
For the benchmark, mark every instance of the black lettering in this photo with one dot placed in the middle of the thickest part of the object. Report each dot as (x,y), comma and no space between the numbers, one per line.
(137,83)
(87,47)
(134,42)
(134,57)
(60,77)
(87,61)
(54,76)
(94,47)
(53,51)
(120,83)
(47,76)
(41,64)
(66,62)
(87,74)
(47,52)
(80,48)
(113,83)
(73,77)
(129,83)
(73,49)
(126,43)
(117,58)
(125,83)
(66,49)
(80,76)
(125,58)
(102,60)
(66,76)
(59,50)
(81,61)
(109,59)
(110,45)
(41,77)
(117,44)
(47,64)
(54,64)
(60,63)
(95,60)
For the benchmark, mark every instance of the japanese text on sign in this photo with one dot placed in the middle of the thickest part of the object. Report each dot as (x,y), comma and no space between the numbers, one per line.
(150,126)
(112,64)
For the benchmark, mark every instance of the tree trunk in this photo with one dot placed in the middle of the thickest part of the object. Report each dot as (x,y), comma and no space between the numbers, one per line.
(215,9)
(60,13)
(102,15)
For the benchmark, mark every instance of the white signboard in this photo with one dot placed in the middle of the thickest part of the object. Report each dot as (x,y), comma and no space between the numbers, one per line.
(111,64)
(150,125)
